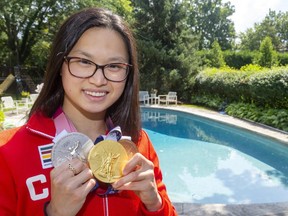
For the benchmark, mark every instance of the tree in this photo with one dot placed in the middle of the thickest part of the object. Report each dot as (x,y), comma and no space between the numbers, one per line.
(28,26)
(249,40)
(217,58)
(268,56)
(167,46)
(282,27)
(25,22)
(274,25)
(210,20)
(121,7)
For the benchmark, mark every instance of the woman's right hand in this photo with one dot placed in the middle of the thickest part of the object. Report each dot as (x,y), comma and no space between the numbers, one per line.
(70,184)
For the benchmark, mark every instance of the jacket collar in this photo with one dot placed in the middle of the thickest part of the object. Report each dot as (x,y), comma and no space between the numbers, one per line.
(41,125)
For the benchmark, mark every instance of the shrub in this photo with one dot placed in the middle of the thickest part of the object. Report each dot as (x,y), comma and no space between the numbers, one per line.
(267,55)
(2,118)
(270,88)
(216,54)
(251,67)
(277,118)
(267,88)
(282,58)
(237,59)
(210,101)
(25,94)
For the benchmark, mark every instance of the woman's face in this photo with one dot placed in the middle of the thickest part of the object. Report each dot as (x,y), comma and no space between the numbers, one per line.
(95,94)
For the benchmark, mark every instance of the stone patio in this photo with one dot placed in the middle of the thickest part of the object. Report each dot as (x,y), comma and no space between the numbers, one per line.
(14,120)
(277,209)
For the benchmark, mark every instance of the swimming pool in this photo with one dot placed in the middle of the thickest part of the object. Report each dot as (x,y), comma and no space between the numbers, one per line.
(205,161)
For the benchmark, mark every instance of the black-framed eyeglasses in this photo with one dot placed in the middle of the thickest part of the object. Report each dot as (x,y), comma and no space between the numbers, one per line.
(84,68)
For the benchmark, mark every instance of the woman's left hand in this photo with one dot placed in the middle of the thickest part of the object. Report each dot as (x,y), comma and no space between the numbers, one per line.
(138,175)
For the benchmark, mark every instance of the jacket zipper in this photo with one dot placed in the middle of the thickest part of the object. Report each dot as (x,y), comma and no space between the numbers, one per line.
(39,133)
(106,207)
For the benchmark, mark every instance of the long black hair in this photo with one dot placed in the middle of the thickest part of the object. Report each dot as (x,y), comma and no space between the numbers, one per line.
(125,112)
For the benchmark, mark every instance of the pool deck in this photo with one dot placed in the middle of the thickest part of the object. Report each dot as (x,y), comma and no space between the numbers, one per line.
(265,209)
(269,209)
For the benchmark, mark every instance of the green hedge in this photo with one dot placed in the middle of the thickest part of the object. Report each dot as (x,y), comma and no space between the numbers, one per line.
(282,58)
(267,88)
(237,59)
(2,116)
(277,118)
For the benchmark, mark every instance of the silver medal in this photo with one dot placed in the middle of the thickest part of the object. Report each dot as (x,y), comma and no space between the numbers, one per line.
(72,145)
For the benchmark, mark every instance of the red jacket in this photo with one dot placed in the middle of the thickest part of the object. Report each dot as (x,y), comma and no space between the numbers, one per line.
(25,164)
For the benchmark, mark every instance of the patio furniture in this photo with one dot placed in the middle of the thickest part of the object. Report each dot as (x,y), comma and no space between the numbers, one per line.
(144,97)
(32,98)
(171,97)
(154,99)
(8,103)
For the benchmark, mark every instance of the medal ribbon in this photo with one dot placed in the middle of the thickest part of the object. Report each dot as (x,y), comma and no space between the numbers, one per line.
(62,122)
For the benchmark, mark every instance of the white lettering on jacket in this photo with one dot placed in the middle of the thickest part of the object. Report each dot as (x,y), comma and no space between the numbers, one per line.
(31,188)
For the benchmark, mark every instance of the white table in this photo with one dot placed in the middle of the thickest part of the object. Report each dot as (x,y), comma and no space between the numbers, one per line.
(154,99)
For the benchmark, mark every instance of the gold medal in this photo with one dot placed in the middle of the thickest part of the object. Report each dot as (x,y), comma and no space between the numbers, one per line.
(129,146)
(108,158)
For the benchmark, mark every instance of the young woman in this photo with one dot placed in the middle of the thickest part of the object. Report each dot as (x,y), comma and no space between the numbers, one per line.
(92,83)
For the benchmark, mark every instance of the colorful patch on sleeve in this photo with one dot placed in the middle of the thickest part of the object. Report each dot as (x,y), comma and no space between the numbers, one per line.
(45,152)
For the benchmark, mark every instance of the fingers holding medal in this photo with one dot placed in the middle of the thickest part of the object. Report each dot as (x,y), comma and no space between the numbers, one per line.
(70,146)
(106,159)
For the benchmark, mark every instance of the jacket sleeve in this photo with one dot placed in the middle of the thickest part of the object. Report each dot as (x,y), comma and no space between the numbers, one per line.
(146,148)
(8,195)
(9,190)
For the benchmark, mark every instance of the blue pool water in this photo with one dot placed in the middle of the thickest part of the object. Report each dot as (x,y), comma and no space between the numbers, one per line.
(204,161)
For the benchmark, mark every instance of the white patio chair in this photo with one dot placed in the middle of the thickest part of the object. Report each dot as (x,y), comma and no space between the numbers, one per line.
(7,103)
(171,97)
(32,98)
(144,97)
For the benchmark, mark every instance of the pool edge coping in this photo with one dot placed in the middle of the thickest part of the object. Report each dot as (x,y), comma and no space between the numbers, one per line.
(264,130)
